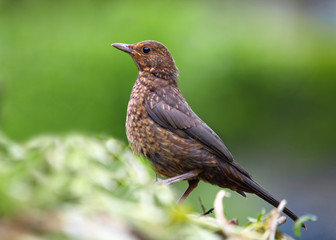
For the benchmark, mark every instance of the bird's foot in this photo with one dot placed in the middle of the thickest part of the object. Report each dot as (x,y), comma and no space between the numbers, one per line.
(184,176)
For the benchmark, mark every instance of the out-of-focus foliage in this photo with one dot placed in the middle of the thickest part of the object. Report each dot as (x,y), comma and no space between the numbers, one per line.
(77,187)
(299,222)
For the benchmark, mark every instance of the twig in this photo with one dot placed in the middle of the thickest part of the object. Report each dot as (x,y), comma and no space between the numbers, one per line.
(207,212)
(202,205)
(219,212)
(275,221)
(281,220)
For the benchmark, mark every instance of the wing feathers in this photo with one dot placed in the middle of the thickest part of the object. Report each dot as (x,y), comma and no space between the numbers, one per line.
(185,123)
(174,119)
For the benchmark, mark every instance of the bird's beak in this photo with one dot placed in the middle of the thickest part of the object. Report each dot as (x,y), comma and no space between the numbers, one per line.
(123,47)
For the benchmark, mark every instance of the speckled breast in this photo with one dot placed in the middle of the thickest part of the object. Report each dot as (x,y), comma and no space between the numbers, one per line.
(170,154)
(138,130)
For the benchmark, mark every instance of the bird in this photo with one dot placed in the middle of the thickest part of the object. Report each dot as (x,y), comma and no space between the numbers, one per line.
(161,126)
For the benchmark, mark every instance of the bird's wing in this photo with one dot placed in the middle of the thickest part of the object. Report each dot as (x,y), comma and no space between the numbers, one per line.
(181,117)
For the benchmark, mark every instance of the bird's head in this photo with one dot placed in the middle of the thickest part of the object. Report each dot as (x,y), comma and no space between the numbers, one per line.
(151,56)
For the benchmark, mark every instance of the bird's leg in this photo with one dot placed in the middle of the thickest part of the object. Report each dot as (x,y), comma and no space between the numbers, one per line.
(184,176)
(192,185)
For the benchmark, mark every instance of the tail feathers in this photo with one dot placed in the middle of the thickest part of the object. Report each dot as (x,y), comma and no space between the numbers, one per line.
(262,193)
(241,193)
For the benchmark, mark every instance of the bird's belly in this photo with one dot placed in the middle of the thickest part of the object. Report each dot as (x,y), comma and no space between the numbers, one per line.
(170,154)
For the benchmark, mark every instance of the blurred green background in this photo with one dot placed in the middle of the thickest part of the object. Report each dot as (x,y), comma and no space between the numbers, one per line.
(262,74)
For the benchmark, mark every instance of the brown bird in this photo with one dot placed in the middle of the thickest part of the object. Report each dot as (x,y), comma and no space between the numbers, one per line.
(161,126)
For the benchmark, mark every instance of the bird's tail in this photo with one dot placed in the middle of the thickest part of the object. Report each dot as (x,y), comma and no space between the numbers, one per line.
(261,192)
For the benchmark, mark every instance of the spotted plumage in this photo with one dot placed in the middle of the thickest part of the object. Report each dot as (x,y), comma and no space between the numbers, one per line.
(161,126)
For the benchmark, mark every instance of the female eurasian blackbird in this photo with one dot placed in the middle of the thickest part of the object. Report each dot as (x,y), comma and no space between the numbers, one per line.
(161,126)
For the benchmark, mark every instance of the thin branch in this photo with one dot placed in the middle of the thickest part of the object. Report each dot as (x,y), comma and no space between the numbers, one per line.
(275,221)
(219,212)
(207,212)
(202,205)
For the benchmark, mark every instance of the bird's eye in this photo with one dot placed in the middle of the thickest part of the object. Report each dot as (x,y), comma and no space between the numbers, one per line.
(146,49)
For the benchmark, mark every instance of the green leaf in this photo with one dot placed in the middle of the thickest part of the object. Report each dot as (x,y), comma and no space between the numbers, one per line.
(300,221)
